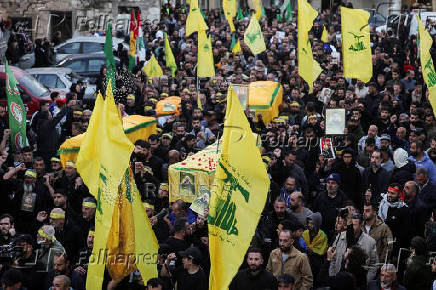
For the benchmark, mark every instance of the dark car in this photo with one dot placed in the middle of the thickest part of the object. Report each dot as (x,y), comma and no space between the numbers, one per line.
(32,92)
(86,65)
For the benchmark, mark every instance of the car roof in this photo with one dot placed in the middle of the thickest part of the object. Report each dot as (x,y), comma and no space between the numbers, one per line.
(102,39)
(18,72)
(49,70)
(87,55)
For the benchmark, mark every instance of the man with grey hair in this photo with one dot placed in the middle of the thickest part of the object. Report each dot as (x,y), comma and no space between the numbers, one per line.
(48,247)
(297,209)
(387,280)
(372,132)
(61,282)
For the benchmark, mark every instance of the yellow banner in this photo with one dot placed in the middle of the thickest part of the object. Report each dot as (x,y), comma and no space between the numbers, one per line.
(356,47)
(253,36)
(306,64)
(152,68)
(195,21)
(205,62)
(102,171)
(427,65)
(238,196)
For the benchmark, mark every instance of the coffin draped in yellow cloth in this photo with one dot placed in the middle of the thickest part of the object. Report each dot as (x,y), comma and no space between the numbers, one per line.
(194,175)
(169,106)
(136,127)
(264,97)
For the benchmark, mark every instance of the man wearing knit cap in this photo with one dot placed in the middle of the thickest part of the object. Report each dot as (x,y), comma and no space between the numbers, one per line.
(86,221)
(66,232)
(30,199)
(55,164)
(48,244)
(328,201)
(73,184)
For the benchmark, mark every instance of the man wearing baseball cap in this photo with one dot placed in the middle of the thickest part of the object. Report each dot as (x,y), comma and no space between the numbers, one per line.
(328,201)
(190,275)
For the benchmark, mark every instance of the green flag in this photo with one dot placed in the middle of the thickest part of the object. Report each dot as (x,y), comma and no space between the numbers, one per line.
(289,13)
(240,15)
(110,62)
(17,112)
(202,14)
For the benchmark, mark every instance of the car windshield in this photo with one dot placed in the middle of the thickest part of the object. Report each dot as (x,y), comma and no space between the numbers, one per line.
(33,86)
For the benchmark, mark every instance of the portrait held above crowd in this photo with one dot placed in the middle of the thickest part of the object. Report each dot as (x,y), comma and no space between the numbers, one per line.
(259,146)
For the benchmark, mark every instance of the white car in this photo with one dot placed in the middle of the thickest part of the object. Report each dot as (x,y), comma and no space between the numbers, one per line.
(74,46)
(58,79)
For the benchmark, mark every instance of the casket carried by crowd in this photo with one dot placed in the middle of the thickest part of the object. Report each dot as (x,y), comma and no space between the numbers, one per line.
(136,127)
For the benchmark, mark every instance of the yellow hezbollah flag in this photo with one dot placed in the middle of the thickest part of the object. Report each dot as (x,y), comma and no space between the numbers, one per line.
(205,63)
(230,21)
(169,57)
(253,36)
(101,162)
(131,234)
(257,6)
(355,44)
(427,65)
(237,47)
(195,21)
(237,198)
(307,66)
(229,7)
(324,35)
(152,68)
(121,240)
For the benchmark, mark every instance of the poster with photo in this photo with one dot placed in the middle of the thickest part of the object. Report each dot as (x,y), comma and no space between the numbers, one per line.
(327,148)
(334,121)
(187,184)
(201,202)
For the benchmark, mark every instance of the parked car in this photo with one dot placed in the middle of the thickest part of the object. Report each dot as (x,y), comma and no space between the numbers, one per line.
(59,79)
(85,45)
(32,92)
(86,65)
(375,19)
(74,46)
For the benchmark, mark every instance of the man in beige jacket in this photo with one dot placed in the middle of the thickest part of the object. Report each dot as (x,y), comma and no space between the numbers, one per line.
(288,260)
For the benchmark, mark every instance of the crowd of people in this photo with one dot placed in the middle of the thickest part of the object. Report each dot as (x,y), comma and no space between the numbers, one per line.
(363,218)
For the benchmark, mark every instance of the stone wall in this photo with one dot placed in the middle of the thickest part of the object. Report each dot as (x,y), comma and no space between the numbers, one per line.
(84,13)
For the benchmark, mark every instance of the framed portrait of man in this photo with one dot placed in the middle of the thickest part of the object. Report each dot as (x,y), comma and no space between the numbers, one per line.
(334,121)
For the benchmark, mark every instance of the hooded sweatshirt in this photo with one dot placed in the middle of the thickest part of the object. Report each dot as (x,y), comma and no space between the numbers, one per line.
(316,239)
(426,163)
(404,168)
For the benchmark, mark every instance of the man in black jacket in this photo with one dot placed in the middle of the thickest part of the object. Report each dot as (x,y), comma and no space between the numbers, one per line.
(255,277)
(418,210)
(395,214)
(270,222)
(427,190)
(47,136)
(350,176)
(375,179)
(327,202)
(66,233)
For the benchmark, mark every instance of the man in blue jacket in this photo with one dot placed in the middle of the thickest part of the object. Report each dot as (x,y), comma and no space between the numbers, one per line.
(422,160)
